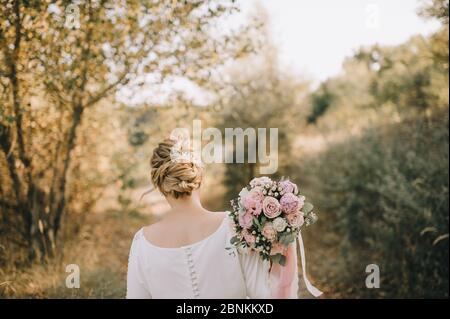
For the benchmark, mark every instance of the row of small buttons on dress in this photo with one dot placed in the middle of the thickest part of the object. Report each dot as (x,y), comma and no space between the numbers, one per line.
(192,273)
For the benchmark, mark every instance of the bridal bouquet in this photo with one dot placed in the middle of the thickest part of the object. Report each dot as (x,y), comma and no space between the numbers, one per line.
(267,217)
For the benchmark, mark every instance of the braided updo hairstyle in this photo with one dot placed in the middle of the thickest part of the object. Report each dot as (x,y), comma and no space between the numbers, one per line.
(173,178)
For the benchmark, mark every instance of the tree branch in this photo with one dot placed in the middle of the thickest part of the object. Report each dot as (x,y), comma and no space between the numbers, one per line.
(8,205)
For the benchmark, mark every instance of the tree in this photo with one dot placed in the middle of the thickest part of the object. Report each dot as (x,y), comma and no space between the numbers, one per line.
(321,101)
(58,60)
(260,95)
(438,9)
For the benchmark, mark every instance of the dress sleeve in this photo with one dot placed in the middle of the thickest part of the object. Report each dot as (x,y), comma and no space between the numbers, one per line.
(256,275)
(135,284)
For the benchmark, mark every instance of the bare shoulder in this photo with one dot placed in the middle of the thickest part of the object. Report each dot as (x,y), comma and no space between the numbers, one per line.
(153,228)
(219,216)
(216,218)
(210,222)
(174,233)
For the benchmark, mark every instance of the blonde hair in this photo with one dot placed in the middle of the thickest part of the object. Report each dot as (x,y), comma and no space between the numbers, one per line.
(173,178)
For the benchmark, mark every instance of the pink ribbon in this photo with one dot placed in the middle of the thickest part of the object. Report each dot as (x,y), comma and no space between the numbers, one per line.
(283,277)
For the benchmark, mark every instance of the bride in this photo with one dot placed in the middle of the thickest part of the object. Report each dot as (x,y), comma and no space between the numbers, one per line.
(188,254)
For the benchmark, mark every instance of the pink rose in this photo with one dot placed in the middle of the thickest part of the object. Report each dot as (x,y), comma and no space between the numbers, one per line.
(288,187)
(269,232)
(249,238)
(277,248)
(271,207)
(296,220)
(257,194)
(252,205)
(245,220)
(290,203)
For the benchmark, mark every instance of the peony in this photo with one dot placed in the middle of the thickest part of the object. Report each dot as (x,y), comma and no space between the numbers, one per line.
(288,187)
(252,200)
(291,203)
(269,232)
(260,181)
(279,224)
(249,238)
(245,220)
(244,192)
(256,193)
(252,205)
(296,219)
(271,207)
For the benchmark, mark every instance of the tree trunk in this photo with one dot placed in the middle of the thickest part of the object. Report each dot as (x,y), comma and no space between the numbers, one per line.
(61,185)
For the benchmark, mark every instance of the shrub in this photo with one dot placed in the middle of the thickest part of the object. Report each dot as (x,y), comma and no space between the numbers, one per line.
(386,194)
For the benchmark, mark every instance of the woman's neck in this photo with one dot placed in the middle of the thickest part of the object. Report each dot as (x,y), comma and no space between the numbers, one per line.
(186,205)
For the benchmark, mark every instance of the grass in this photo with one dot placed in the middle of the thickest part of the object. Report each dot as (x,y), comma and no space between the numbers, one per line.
(100,251)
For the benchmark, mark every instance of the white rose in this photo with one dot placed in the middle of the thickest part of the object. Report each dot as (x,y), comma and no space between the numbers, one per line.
(244,192)
(279,224)
(260,181)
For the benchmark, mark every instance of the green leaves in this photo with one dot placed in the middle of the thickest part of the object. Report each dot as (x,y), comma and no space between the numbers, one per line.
(282,260)
(307,208)
(286,238)
(234,240)
(257,223)
(263,219)
(278,259)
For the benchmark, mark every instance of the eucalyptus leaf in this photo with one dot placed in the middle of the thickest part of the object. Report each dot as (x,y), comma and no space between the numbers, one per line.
(275,258)
(281,238)
(234,240)
(291,238)
(308,207)
(256,223)
(282,260)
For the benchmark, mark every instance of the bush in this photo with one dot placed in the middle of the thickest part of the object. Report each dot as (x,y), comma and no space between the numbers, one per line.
(386,194)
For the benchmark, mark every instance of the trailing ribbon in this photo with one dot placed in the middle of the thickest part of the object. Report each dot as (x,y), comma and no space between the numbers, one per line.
(312,290)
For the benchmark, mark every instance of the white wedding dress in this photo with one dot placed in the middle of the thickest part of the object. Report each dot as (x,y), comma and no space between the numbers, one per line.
(210,268)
